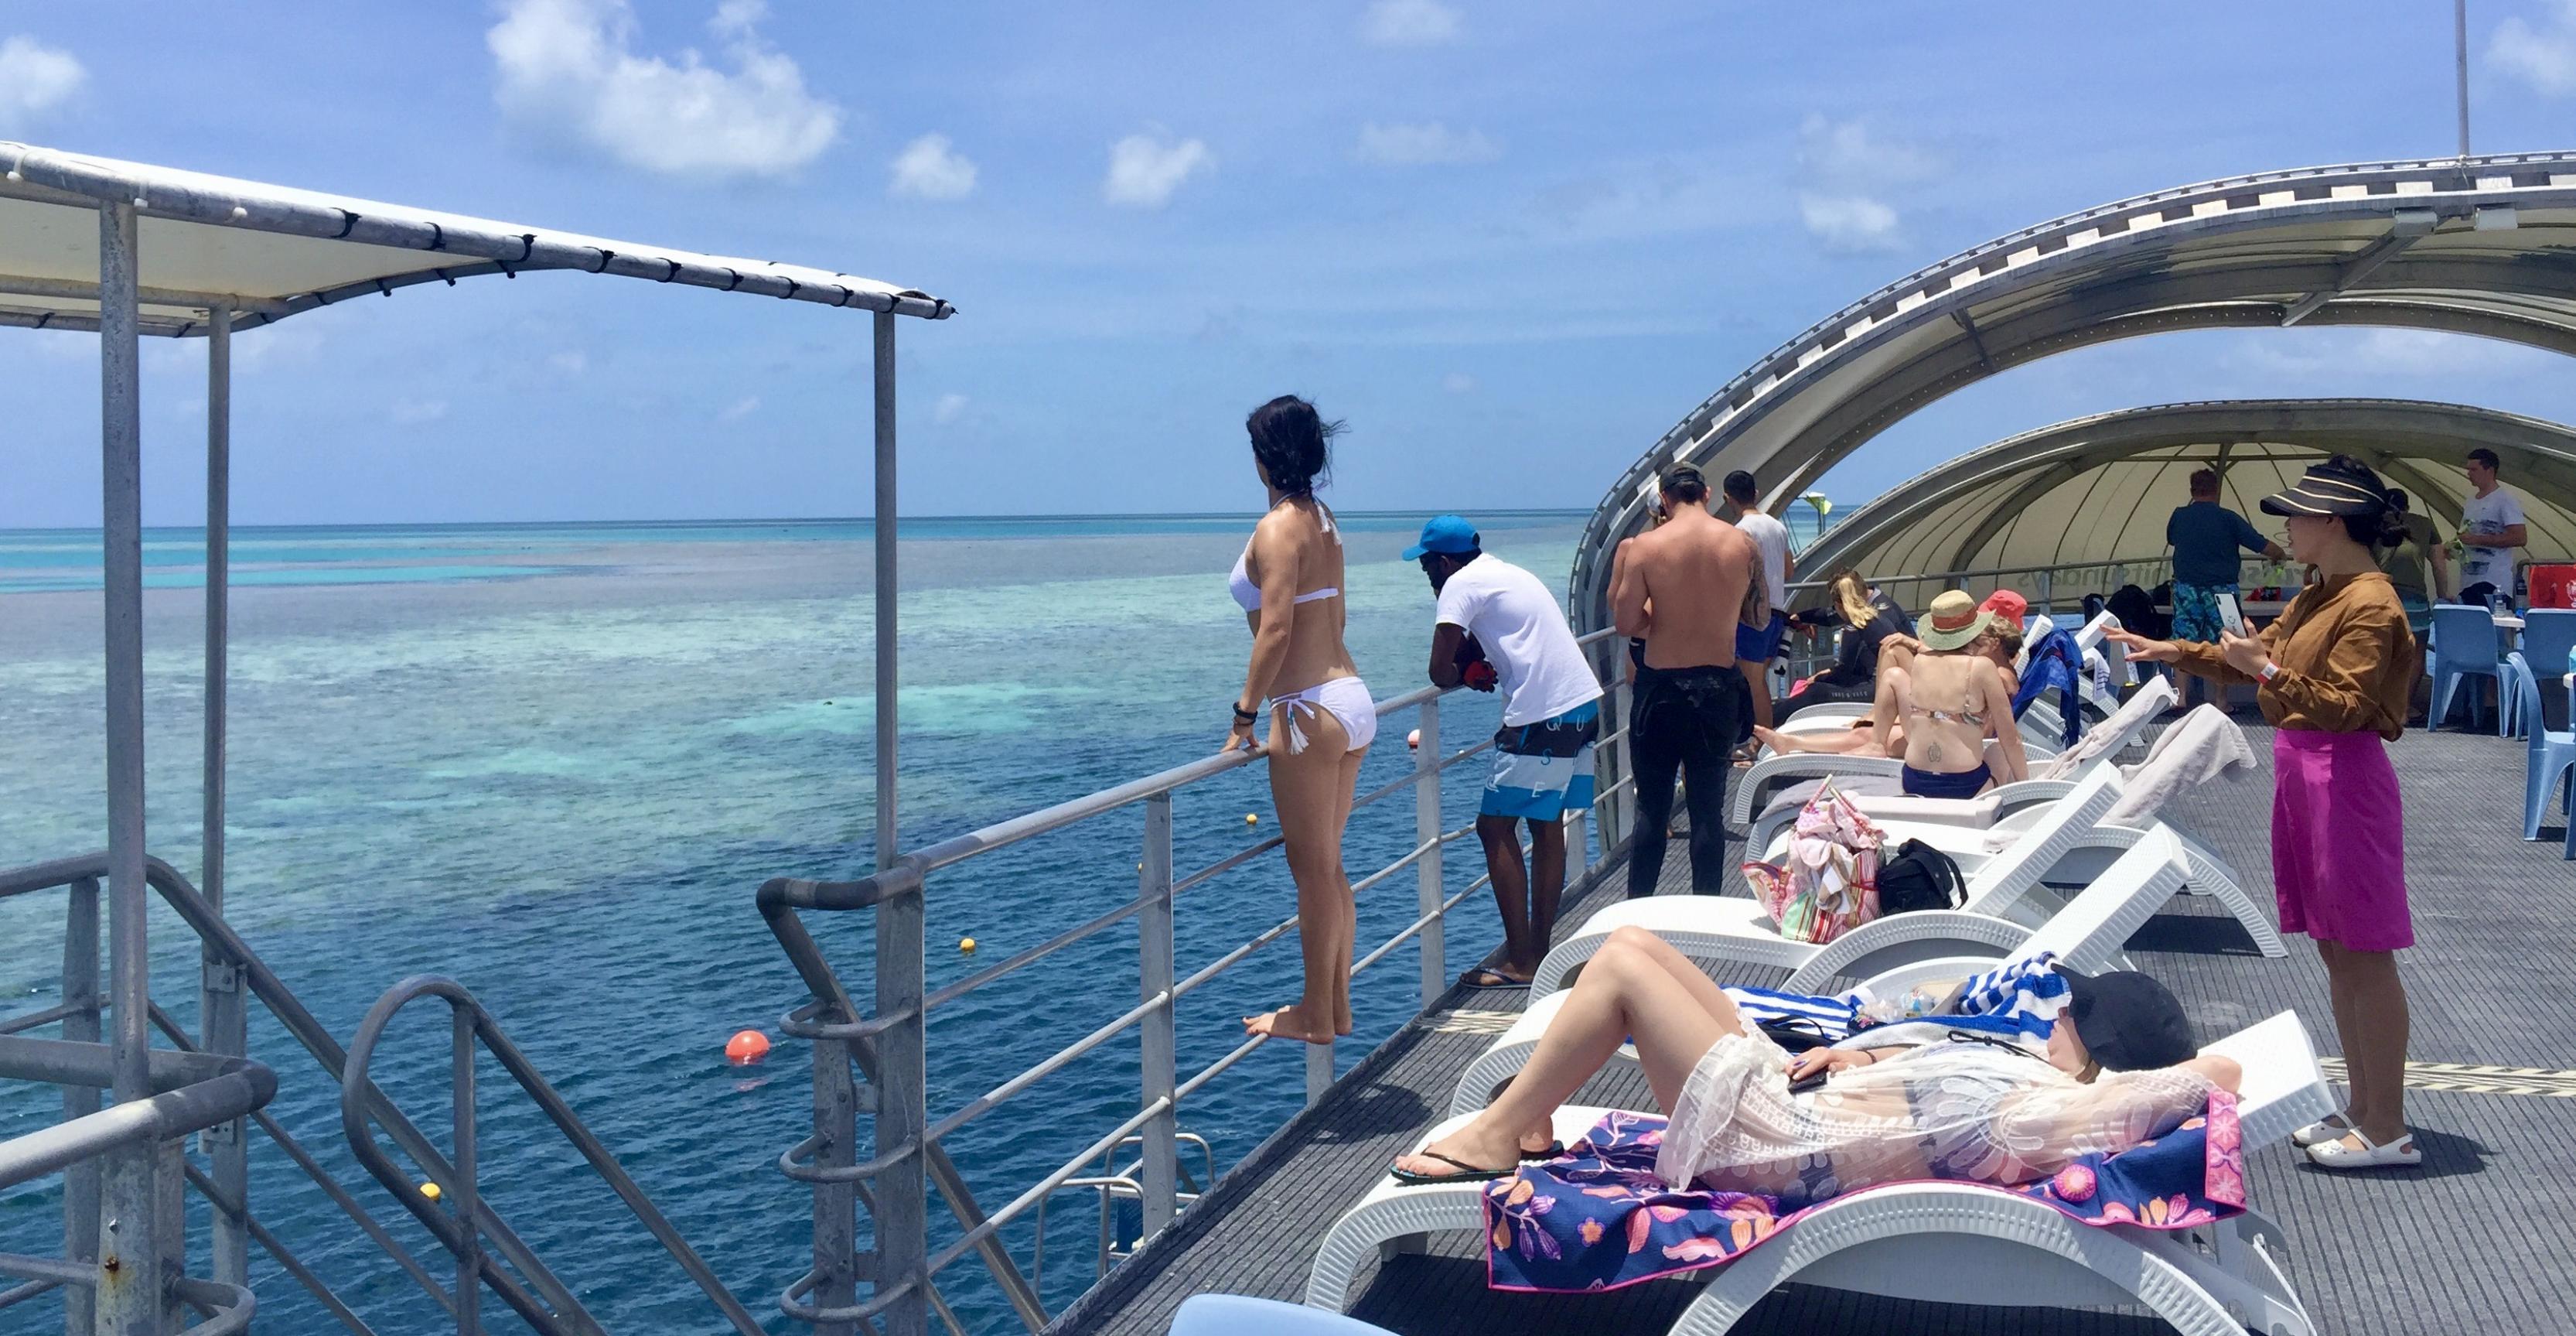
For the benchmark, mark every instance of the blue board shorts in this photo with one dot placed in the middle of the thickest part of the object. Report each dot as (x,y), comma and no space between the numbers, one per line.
(1542,769)
(1760,644)
(2195,611)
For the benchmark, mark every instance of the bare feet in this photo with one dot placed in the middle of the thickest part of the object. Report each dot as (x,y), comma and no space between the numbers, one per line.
(1288,1022)
(1476,1145)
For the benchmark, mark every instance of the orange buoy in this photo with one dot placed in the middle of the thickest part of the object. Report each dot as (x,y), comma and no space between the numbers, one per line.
(747,1046)
(1413,740)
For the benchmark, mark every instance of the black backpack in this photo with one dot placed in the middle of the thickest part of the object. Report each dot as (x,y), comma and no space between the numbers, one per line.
(1919,877)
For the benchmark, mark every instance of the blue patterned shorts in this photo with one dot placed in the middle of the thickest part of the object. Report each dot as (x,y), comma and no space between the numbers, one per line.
(2195,612)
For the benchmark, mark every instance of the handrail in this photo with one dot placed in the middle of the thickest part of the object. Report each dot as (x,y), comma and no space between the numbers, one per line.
(205,1092)
(471,1021)
(886,1047)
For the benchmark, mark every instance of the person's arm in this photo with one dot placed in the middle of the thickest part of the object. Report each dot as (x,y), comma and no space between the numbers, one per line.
(2341,694)
(1275,554)
(2440,556)
(2058,1122)
(2191,657)
(2512,533)
(1628,610)
(1999,703)
(2254,540)
(1445,640)
(1883,710)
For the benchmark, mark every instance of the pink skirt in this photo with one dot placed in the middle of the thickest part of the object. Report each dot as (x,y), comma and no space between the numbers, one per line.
(2338,840)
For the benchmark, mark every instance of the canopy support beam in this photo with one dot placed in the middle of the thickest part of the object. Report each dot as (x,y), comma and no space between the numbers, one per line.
(886,591)
(222,1010)
(2409,225)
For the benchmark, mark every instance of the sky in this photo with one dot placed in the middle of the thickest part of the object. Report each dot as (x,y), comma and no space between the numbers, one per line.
(1508,244)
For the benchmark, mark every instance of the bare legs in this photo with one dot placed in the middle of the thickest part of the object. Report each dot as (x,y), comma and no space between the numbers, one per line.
(2371,1024)
(1527,898)
(1758,677)
(1636,987)
(1852,741)
(1312,790)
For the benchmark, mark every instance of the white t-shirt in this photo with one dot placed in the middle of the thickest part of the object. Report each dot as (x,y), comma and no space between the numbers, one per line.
(1771,538)
(2495,512)
(1541,670)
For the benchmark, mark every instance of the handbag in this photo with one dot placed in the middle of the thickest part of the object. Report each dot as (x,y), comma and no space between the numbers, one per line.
(1828,883)
(1920,877)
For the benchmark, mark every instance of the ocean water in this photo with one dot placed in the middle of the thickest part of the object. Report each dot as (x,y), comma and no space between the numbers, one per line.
(554,762)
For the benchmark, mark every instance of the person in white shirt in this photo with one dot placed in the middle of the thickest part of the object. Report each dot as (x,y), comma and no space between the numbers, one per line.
(1757,644)
(1497,627)
(2491,527)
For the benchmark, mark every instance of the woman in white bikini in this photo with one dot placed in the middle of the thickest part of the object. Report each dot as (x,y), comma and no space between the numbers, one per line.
(1289,581)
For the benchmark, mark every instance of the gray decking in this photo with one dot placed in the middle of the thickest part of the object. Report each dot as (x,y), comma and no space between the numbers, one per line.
(2464,1244)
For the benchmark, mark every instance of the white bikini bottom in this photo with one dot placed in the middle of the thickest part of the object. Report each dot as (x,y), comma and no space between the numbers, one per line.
(1345,698)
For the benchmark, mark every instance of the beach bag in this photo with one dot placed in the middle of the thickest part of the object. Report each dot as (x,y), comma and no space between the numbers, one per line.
(1920,877)
(1828,883)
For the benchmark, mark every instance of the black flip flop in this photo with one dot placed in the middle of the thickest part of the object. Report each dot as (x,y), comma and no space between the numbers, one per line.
(1481,977)
(1555,1151)
(1467,1173)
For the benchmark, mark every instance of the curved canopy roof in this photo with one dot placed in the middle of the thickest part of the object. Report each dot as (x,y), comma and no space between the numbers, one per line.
(2482,245)
(2098,489)
(269,252)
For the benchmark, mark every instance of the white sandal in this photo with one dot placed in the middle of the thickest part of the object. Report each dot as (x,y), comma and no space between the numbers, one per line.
(2396,1154)
(2332,1127)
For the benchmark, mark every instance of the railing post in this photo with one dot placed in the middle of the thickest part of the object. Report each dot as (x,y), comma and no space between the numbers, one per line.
(1159,1032)
(902,1211)
(221,1010)
(1427,883)
(469,1258)
(81,1181)
(836,1203)
(170,1218)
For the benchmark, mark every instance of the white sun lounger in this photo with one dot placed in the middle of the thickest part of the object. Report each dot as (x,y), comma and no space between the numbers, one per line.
(1889,955)
(1947,1242)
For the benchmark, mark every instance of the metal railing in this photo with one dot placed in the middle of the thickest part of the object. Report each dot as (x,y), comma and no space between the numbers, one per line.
(873,1060)
(454,1216)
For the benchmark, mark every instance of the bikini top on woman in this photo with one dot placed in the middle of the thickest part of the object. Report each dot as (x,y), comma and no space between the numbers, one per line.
(1248,594)
(1962,715)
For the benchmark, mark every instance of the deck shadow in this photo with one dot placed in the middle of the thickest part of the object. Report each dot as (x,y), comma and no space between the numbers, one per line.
(2194,935)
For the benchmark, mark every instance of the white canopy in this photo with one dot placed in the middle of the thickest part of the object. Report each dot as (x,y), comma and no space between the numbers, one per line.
(268,252)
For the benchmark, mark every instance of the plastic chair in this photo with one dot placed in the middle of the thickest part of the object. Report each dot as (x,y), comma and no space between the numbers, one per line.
(2466,644)
(1234,1315)
(2548,642)
(2551,758)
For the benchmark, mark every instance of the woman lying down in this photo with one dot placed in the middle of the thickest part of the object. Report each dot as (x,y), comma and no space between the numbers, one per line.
(1962,1107)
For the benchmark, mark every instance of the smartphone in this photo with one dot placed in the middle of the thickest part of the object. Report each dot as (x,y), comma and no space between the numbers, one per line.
(1808,1082)
(2230,615)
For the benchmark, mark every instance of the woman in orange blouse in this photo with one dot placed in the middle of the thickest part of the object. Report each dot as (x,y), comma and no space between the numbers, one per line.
(2333,675)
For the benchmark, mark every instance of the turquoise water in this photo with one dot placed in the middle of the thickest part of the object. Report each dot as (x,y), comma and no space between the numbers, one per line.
(556,761)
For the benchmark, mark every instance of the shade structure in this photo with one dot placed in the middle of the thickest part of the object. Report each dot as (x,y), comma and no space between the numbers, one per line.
(2480,245)
(2098,490)
(268,252)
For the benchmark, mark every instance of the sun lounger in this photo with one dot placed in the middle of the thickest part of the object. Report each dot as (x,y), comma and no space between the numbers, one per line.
(1887,955)
(1947,1242)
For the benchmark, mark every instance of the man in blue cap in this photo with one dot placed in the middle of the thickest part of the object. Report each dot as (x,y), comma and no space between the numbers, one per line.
(1498,628)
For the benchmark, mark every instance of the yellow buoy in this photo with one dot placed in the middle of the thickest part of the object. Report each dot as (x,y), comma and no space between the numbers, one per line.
(1252,818)
(966,944)
(429,1190)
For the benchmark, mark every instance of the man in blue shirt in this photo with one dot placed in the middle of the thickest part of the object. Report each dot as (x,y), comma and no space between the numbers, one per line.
(2206,537)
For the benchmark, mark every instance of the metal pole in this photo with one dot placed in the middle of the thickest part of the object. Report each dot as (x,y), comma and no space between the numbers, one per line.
(1427,886)
(1160,1033)
(222,1012)
(129,1290)
(901,1206)
(886,591)
(469,1258)
(81,1181)
(836,1201)
(2460,47)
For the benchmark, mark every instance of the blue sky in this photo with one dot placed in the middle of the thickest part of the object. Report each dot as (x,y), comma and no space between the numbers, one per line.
(1510,244)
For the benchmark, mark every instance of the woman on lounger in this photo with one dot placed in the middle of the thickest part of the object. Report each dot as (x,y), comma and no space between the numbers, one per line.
(1956,1109)
(1951,699)
(1999,644)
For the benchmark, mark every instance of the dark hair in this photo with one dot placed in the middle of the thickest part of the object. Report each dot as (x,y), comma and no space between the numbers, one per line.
(2387,528)
(1290,439)
(2487,457)
(2396,500)
(1685,484)
(2204,482)
(1741,487)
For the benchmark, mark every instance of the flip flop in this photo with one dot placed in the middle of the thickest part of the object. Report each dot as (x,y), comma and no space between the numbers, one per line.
(1480,977)
(1467,1173)
(1555,1151)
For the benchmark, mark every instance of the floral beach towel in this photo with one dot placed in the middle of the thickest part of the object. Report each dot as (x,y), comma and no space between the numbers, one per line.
(1600,1219)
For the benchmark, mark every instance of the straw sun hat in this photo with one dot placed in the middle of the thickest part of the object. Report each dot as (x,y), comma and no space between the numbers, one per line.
(1953,621)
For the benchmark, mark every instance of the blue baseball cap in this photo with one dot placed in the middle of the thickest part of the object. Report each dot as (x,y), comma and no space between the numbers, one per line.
(1447,535)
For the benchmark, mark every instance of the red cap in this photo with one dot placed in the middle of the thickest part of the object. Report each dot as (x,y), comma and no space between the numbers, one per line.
(2006,605)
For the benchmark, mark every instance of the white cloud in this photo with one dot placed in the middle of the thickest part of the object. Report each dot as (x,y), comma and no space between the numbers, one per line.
(1849,222)
(415,412)
(1847,153)
(949,408)
(569,67)
(2542,55)
(34,79)
(1424,145)
(1145,169)
(740,409)
(571,361)
(1458,382)
(1409,23)
(931,168)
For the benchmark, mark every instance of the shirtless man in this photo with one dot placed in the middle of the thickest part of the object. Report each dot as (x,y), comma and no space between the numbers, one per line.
(1682,587)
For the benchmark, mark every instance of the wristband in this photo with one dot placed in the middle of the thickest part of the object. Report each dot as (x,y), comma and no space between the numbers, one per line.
(1244,716)
(2271,669)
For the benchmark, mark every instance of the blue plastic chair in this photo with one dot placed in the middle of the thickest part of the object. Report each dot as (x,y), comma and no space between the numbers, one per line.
(2548,640)
(1234,1315)
(2549,764)
(2466,644)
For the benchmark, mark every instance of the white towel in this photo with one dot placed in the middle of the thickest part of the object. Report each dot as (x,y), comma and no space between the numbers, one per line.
(2116,731)
(2200,747)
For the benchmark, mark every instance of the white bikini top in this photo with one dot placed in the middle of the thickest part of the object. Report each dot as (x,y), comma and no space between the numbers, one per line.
(1248,594)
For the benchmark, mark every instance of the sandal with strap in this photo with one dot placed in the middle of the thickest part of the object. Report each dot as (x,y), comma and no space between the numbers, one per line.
(1467,1173)
(2332,1127)
(2399,1153)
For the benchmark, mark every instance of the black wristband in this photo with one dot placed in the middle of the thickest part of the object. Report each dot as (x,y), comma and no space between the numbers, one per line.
(1244,716)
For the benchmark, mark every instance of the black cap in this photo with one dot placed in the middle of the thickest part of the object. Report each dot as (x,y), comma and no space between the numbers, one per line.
(2128,1021)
